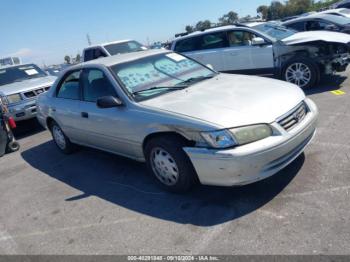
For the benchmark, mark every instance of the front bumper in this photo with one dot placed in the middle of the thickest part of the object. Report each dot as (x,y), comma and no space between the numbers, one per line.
(23,111)
(256,161)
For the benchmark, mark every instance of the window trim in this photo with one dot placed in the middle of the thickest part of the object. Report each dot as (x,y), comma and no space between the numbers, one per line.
(82,87)
(63,79)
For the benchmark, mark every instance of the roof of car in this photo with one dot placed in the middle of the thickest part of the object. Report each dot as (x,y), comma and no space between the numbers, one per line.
(198,33)
(312,16)
(122,58)
(109,43)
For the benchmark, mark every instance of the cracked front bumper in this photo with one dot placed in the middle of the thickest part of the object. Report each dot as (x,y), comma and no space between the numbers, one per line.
(256,161)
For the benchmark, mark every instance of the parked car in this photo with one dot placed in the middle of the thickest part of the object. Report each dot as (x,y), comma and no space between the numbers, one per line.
(112,48)
(344,12)
(267,48)
(317,22)
(342,4)
(186,121)
(22,84)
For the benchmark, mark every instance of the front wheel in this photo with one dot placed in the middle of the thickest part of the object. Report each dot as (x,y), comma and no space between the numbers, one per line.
(169,164)
(302,72)
(61,140)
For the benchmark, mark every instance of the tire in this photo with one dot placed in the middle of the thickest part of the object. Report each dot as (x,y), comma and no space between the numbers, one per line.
(61,140)
(12,146)
(169,164)
(302,72)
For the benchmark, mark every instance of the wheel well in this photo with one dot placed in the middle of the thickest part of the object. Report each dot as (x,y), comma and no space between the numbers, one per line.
(49,122)
(166,134)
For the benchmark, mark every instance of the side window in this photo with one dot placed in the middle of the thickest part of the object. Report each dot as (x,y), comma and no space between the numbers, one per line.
(88,55)
(70,87)
(299,26)
(98,52)
(213,40)
(96,85)
(316,25)
(187,45)
(240,38)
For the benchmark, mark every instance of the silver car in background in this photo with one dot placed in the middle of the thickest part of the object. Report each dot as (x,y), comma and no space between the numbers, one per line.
(186,121)
(21,84)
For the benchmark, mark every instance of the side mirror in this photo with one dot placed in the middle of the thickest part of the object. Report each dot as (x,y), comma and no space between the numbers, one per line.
(210,66)
(108,102)
(258,41)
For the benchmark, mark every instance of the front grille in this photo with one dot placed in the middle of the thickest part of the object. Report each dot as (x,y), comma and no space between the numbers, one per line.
(36,92)
(294,118)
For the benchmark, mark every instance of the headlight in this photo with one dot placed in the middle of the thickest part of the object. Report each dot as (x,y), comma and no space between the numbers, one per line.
(14,98)
(249,134)
(219,139)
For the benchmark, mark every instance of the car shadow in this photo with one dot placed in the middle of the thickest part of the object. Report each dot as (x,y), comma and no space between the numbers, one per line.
(327,84)
(27,128)
(126,183)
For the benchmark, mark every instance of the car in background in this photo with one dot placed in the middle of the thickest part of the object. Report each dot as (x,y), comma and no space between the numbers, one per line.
(112,48)
(56,69)
(21,85)
(319,22)
(186,121)
(342,4)
(268,49)
(344,12)
(9,61)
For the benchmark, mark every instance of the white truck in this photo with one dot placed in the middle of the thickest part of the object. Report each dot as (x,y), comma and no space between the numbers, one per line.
(111,48)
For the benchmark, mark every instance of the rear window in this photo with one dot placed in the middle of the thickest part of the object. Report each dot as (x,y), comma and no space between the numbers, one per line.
(122,48)
(203,42)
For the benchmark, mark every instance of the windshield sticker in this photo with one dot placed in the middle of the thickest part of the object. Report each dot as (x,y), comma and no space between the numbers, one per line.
(176,57)
(31,72)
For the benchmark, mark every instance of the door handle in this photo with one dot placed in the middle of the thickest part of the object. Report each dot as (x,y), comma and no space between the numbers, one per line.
(84,115)
(53,109)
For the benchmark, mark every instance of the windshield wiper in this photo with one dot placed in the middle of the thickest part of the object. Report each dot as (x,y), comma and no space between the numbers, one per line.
(160,87)
(194,80)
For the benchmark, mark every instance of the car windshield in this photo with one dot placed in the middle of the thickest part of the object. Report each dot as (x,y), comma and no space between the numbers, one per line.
(19,73)
(339,20)
(125,47)
(275,31)
(155,75)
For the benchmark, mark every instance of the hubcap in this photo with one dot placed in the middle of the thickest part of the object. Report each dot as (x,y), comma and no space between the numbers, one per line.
(164,166)
(59,137)
(299,74)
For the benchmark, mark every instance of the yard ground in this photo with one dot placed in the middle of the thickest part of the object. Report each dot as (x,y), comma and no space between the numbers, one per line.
(97,203)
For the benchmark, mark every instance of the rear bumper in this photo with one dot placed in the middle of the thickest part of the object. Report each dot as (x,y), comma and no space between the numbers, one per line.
(256,161)
(23,111)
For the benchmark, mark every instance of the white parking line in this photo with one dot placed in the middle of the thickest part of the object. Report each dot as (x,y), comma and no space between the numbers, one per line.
(10,246)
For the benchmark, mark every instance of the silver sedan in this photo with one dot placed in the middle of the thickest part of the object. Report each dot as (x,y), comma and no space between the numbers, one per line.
(186,121)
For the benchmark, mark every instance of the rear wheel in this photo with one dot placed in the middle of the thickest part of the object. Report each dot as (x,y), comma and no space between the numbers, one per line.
(302,72)
(169,164)
(61,140)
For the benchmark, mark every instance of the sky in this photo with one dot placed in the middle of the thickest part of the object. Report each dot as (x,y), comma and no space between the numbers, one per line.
(44,31)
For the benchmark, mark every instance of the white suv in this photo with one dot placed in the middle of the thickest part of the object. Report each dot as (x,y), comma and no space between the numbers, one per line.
(112,48)
(267,48)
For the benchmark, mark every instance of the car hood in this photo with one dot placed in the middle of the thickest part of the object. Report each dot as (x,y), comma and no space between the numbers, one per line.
(232,100)
(311,36)
(27,85)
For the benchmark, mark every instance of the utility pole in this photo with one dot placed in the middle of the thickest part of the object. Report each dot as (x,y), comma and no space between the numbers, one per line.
(88,39)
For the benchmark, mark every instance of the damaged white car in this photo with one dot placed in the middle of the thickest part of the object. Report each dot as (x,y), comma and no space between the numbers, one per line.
(267,48)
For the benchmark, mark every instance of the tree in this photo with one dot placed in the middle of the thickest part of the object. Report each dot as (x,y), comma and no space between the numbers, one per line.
(67,59)
(229,18)
(189,29)
(203,25)
(78,58)
(263,11)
